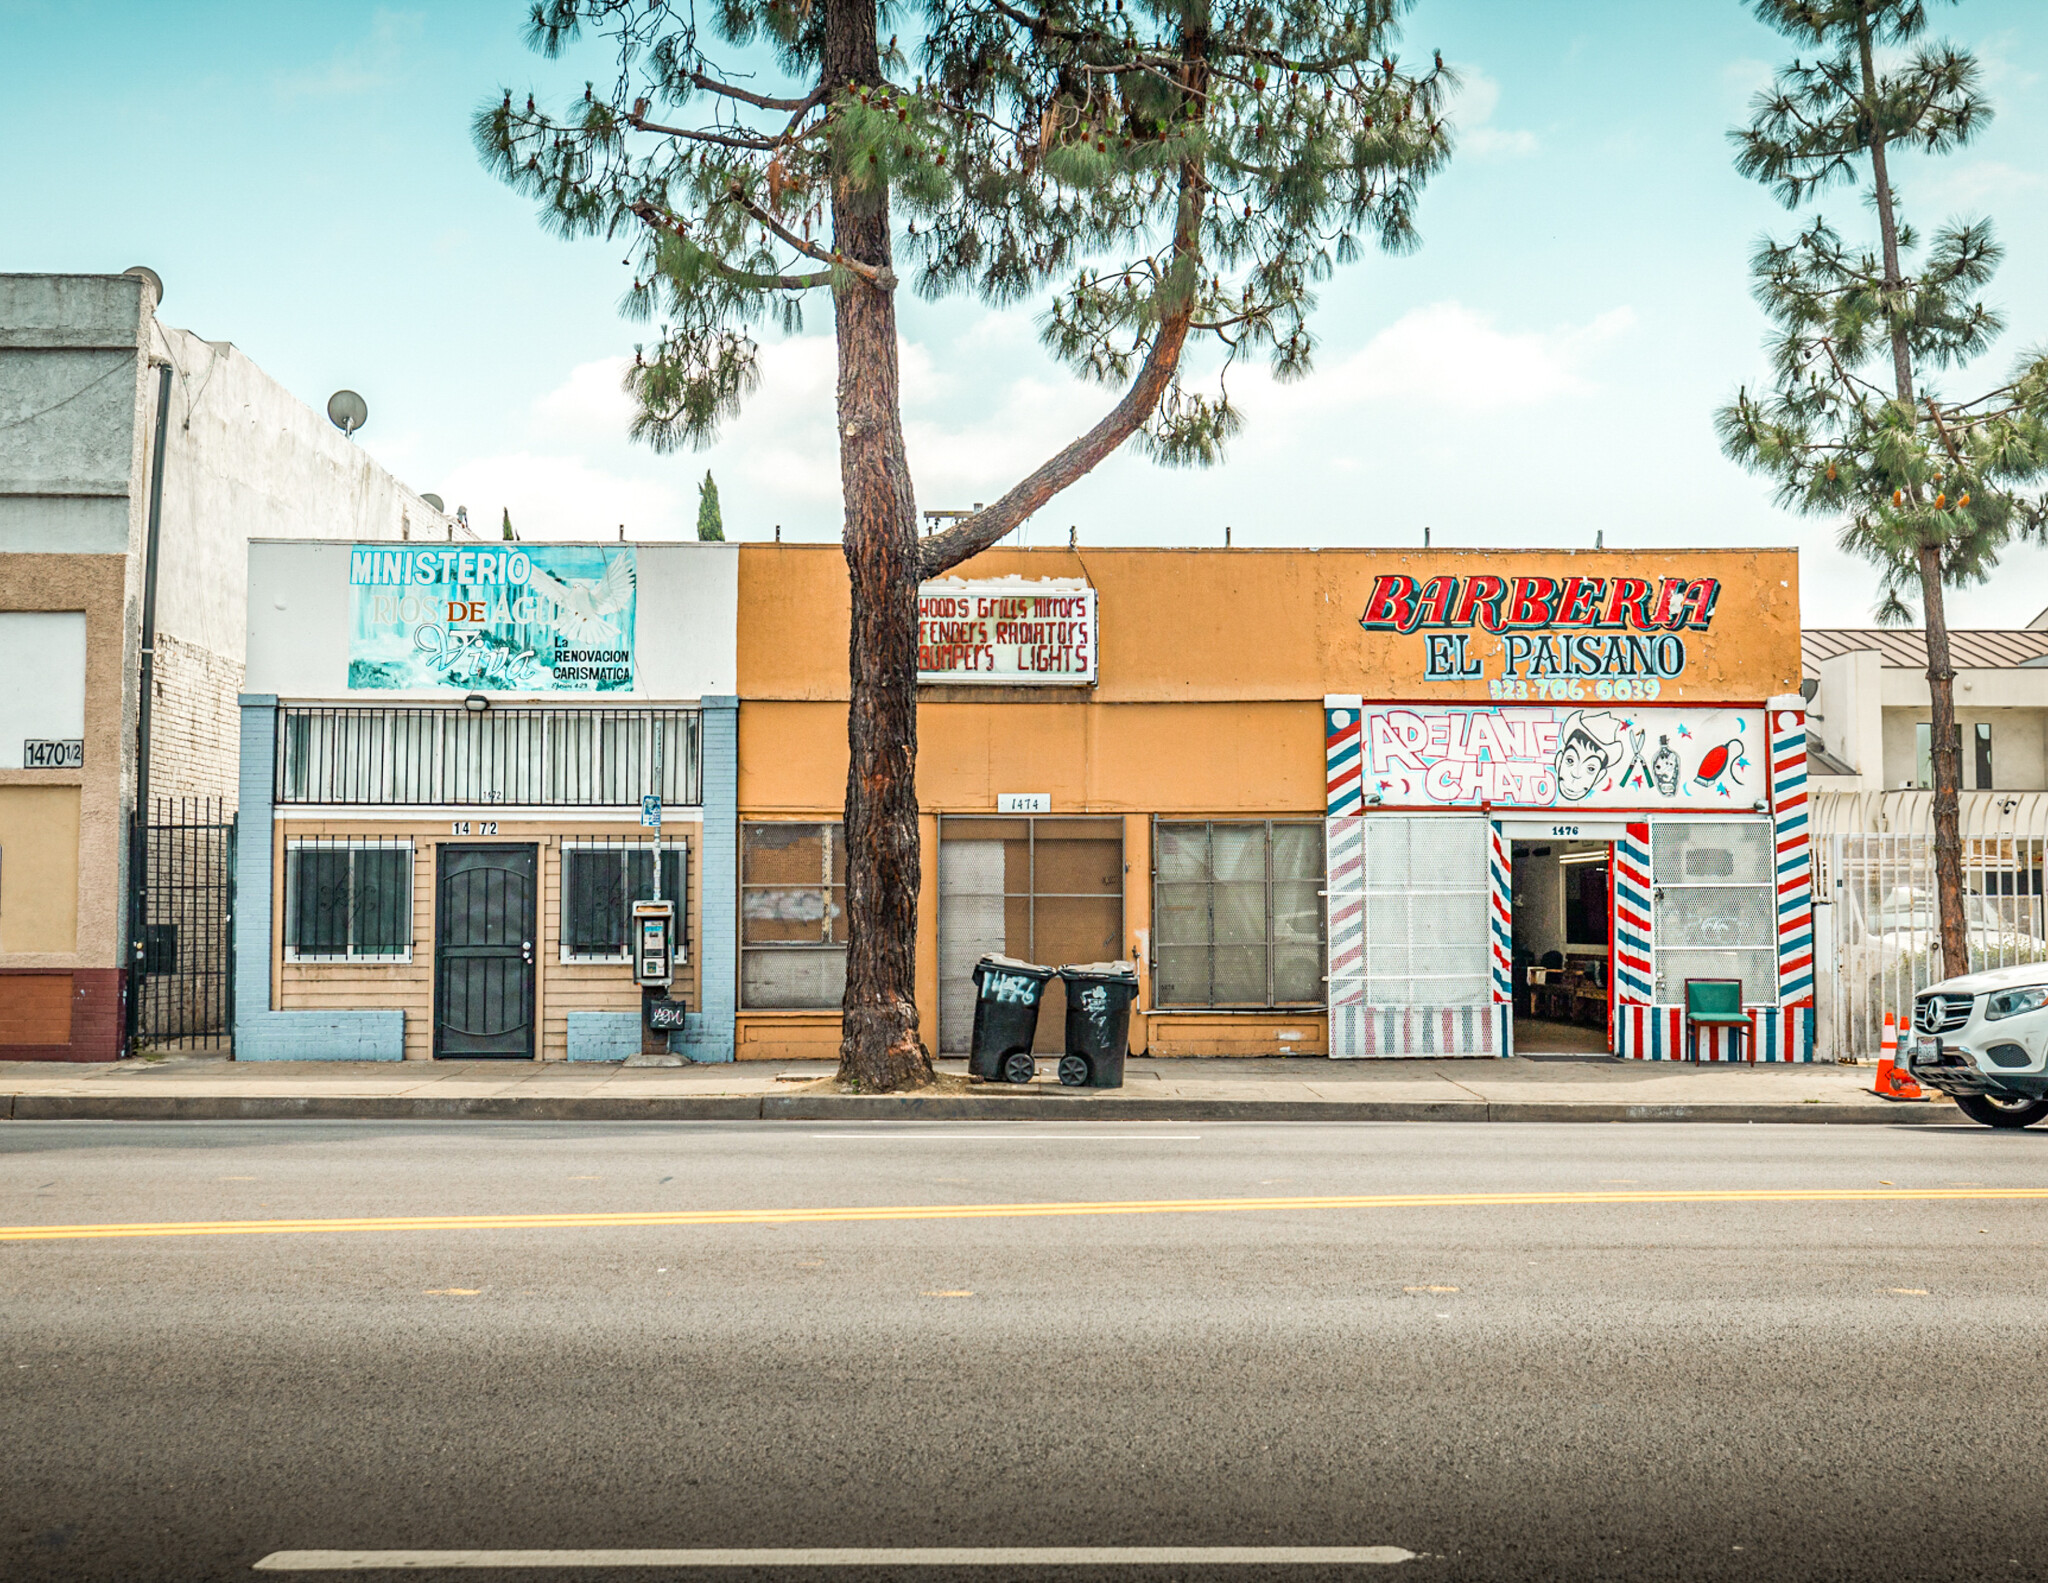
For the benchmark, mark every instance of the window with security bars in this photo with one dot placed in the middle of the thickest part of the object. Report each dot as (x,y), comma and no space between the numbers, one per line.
(600,882)
(348,899)
(1713,911)
(1237,914)
(1426,911)
(792,916)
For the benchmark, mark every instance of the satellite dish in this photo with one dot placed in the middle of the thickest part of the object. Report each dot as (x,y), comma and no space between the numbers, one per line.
(347,411)
(437,503)
(144,273)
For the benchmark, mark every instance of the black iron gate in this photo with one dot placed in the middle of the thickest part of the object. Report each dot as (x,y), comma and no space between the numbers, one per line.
(182,976)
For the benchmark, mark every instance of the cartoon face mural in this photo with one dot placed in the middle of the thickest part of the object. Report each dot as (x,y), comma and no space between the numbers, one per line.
(1589,746)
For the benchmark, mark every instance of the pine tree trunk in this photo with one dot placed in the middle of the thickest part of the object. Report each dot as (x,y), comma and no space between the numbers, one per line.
(879,1046)
(1945,752)
(1944,749)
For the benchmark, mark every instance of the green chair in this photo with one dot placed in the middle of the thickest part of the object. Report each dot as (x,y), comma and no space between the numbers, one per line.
(1713,1003)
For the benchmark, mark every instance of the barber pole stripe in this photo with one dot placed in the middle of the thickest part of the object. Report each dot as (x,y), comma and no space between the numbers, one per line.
(1634,981)
(1657,1033)
(1500,873)
(1343,759)
(1794,859)
(1345,848)
(1382,1031)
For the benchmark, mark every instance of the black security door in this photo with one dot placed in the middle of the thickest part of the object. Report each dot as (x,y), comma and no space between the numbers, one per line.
(483,953)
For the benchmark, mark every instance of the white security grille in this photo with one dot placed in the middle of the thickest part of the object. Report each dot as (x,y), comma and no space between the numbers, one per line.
(1713,912)
(1425,911)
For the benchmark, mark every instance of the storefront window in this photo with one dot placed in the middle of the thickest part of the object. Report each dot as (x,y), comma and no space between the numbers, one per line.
(348,901)
(792,916)
(1237,914)
(601,881)
(1712,911)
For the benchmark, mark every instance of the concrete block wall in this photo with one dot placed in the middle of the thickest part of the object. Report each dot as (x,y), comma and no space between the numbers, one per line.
(262,1033)
(708,1033)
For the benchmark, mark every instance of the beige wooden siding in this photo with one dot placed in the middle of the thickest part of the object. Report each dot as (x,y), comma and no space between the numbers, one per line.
(562,987)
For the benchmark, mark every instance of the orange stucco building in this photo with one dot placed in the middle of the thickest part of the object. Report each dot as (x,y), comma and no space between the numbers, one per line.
(1123,752)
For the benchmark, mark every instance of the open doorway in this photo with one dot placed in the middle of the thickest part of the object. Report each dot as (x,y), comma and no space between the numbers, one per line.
(1563,946)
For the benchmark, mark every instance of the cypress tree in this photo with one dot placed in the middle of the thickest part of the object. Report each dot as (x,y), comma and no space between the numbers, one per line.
(710,520)
(1161,173)
(1926,484)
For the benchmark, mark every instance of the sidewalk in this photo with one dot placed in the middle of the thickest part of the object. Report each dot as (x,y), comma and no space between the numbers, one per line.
(1272,1089)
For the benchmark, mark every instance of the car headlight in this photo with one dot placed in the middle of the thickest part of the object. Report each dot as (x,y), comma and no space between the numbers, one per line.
(2011,1002)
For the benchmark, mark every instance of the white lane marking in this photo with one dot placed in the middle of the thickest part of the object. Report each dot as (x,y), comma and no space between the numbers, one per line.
(1063,1556)
(1021,1137)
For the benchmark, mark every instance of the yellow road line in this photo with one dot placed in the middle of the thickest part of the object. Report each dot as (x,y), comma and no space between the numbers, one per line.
(1157,1206)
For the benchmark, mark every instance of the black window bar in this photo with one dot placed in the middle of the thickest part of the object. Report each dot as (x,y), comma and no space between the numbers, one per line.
(183,974)
(525,757)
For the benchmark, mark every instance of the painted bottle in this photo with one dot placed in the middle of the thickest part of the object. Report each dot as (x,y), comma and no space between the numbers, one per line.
(1664,768)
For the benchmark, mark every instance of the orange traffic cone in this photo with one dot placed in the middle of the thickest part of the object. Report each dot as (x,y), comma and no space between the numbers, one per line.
(1893,1081)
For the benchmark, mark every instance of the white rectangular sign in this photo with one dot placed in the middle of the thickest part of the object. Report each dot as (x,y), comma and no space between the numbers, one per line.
(1023,802)
(1007,632)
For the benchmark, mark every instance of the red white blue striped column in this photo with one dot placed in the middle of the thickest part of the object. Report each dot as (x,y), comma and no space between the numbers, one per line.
(1795,858)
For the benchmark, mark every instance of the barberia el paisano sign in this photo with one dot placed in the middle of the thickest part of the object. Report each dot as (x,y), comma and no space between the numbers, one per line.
(1006,632)
(1535,636)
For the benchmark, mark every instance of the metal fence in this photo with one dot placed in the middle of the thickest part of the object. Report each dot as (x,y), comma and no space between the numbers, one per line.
(528,757)
(1876,919)
(182,977)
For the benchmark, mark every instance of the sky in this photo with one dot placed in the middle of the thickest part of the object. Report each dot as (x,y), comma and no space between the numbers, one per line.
(1544,369)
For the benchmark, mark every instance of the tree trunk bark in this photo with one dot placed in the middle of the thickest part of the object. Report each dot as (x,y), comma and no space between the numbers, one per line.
(879,1046)
(1946,753)
(1944,747)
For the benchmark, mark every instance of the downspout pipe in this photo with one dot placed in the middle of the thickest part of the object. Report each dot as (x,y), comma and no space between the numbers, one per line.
(138,848)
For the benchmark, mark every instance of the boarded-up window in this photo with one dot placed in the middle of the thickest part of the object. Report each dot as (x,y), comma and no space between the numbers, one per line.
(792,916)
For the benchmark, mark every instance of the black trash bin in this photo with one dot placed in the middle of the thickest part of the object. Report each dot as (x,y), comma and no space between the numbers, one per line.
(1099,998)
(1007,994)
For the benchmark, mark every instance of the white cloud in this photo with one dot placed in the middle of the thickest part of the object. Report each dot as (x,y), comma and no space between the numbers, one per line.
(1987,183)
(1449,356)
(375,63)
(1747,76)
(1472,114)
(564,497)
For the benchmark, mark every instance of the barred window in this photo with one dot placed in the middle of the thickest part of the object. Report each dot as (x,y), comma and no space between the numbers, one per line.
(1237,914)
(348,899)
(792,915)
(600,882)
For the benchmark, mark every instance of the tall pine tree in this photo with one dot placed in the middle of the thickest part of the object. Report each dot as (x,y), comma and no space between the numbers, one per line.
(1168,172)
(1927,484)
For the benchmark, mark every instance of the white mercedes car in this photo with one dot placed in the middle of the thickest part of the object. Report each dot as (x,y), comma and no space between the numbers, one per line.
(1983,1039)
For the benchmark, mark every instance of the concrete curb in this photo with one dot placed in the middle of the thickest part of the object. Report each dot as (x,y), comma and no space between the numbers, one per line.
(1050,1106)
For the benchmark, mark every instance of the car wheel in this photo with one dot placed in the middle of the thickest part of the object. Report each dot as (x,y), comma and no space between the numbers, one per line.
(2000,1111)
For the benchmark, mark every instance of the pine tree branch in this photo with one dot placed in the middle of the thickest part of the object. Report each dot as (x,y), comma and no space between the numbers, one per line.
(741,140)
(882,279)
(654,220)
(758,101)
(943,551)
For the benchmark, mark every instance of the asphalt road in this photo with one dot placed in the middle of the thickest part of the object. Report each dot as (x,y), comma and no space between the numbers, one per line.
(1779,1389)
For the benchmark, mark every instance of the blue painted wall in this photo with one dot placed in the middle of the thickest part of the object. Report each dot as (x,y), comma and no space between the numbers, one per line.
(707,1035)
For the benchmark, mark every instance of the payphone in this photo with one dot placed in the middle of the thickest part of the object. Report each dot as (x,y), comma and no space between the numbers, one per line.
(654,944)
